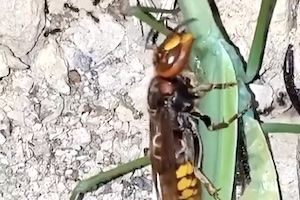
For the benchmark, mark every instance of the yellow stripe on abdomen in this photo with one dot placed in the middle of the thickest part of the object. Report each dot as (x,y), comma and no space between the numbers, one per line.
(188,185)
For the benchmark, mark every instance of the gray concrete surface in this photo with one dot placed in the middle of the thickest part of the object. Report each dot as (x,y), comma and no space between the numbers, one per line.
(57,126)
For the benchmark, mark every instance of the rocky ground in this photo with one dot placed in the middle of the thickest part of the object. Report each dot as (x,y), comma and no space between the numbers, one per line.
(73,91)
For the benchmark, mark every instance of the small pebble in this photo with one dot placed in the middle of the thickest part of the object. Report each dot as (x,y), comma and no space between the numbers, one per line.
(37,127)
(61,187)
(74,76)
(3,159)
(86,90)
(59,153)
(107,145)
(68,172)
(82,136)
(124,114)
(17,116)
(2,178)
(33,173)
(35,187)
(263,95)
(99,156)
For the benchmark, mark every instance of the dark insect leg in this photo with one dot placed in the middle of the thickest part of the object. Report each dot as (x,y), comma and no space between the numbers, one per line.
(158,10)
(288,75)
(46,9)
(216,126)
(242,168)
(175,5)
(54,31)
(146,152)
(153,35)
(197,147)
(187,125)
(211,86)
(95,2)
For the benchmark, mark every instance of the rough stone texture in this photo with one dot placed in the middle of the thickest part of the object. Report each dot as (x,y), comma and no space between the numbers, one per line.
(75,111)
(8,60)
(49,64)
(80,107)
(23,22)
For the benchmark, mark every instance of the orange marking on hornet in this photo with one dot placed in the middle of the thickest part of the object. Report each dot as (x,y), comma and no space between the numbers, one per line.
(171,57)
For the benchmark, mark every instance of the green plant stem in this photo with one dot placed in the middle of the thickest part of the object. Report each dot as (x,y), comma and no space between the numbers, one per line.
(260,38)
(280,128)
(98,180)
